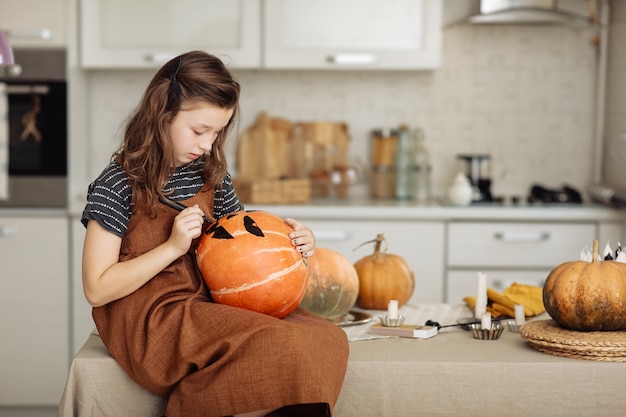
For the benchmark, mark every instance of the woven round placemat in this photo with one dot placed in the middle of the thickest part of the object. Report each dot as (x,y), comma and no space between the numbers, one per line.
(548,337)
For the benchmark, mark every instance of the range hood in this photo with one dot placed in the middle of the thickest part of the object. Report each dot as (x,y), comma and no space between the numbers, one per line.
(535,12)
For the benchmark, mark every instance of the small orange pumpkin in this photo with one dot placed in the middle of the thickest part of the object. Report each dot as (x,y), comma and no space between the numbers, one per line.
(333,284)
(587,296)
(383,277)
(247,260)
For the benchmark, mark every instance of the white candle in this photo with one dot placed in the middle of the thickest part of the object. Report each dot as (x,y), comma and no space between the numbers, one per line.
(485,321)
(519,314)
(392,309)
(481,295)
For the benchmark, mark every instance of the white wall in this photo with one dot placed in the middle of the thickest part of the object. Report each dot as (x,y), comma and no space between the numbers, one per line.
(524,94)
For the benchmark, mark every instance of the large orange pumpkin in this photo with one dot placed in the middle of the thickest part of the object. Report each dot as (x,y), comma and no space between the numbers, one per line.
(383,277)
(247,260)
(333,284)
(587,296)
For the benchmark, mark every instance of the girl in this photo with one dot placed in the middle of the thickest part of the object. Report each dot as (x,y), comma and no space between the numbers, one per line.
(151,306)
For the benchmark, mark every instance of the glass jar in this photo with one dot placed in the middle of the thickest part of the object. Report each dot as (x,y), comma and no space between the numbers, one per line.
(382,182)
(404,165)
(422,168)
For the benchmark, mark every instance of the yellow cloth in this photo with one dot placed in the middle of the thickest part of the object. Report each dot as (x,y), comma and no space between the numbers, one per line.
(503,304)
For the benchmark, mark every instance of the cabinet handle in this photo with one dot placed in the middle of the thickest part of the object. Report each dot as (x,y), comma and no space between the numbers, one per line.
(27,89)
(497,285)
(352,59)
(6,231)
(158,58)
(332,235)
(521,237)
(25,34)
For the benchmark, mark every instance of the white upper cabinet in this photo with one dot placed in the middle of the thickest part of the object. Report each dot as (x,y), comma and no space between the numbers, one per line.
(146,33)
(352,34)
(34,23)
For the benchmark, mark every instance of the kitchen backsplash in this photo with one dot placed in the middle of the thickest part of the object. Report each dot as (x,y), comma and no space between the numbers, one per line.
(523,94)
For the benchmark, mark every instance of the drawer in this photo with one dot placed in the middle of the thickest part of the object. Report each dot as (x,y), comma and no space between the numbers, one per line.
(524,245)
(460,284)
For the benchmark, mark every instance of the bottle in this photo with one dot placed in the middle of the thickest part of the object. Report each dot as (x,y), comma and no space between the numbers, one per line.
(404,164)
(422,169)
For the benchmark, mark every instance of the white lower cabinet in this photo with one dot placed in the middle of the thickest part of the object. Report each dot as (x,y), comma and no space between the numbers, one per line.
(83,323)
(421,244)
(34,310)
(508,252)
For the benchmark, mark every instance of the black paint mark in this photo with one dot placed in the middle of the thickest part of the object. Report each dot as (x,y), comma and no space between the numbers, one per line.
(251,226)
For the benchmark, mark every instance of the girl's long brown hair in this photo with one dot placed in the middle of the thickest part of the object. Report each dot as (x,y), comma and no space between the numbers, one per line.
(146,153)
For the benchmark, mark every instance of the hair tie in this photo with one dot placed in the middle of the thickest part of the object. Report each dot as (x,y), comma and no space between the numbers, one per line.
(174,87)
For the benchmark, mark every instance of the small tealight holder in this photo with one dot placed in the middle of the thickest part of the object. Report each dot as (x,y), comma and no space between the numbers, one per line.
(513,327)
(389,322)
(492,333)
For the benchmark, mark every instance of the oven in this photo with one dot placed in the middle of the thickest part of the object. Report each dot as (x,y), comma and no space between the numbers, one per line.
(34,122)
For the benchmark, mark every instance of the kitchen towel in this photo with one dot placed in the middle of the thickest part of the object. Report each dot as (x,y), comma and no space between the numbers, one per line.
(503,304)
(4,143)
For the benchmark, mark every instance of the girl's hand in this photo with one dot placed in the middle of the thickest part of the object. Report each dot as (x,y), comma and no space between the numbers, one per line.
(302,238)
(187,226)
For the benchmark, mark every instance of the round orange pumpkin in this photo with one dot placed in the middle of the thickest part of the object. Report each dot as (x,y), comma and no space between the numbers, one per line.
(383,277)
(247,260)
(587,296)
(333,284)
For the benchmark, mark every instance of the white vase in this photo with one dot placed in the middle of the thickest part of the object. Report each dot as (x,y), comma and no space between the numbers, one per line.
(460,192)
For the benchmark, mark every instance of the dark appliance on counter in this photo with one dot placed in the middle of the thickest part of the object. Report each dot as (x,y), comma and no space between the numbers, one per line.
(37,129)
(478,171)
(563,195)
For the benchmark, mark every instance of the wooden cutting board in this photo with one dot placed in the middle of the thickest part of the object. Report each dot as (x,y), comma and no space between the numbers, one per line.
(262,149)
(273,148)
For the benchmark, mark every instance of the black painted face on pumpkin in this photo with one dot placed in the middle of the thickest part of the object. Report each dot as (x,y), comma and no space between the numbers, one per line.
(219,232)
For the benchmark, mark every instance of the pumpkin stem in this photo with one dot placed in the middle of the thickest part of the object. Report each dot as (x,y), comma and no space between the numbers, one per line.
(594,251)
(380,238)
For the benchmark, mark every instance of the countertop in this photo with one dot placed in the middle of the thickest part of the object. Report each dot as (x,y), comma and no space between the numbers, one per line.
(368,209)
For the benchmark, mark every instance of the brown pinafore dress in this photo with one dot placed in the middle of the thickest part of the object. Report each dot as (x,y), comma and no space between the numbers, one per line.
(212,359)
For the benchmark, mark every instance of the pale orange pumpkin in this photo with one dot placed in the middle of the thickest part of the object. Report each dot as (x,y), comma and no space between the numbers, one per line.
(247,260)
(383,277)
(587,296)
(333,284)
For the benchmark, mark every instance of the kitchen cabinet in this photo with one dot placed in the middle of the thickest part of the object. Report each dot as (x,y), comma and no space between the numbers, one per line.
(522,252)
(34,310)
(287,34)
(352,34)
(446,246)
(82,324)
(146,33)
(421,244)
(34,23)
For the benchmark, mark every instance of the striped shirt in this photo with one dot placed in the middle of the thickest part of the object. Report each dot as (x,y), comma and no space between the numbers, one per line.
(109,197)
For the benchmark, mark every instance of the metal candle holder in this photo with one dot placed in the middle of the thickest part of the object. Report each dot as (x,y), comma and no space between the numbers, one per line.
(389,322)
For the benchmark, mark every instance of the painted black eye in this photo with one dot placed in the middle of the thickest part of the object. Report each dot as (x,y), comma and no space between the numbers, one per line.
(251,226)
